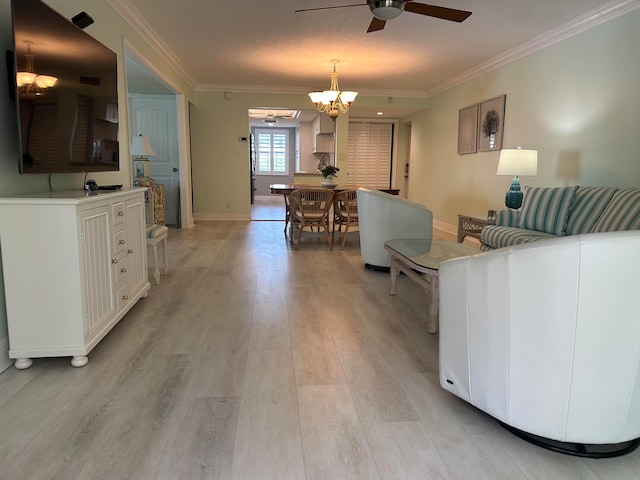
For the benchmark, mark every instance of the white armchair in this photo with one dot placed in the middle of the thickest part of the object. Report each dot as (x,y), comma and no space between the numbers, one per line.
(545,337)
(383,217)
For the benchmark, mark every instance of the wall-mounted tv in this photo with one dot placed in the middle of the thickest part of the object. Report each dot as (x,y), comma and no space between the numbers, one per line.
(70,125)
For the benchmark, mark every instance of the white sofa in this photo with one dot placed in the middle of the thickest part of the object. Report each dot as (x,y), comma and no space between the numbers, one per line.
(545,337)
(383,217)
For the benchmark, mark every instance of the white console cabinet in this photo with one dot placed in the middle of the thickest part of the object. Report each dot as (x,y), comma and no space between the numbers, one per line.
(74,265)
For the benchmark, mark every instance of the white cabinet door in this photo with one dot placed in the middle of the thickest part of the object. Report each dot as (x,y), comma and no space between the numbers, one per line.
(95,261)
(136,248)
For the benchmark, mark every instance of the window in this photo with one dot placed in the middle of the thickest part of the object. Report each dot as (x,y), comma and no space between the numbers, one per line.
(272,151)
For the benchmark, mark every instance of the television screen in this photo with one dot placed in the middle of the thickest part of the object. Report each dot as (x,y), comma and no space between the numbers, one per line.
(66,94)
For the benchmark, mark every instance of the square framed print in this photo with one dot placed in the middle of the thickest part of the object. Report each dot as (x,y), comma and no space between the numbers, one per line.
(467,129)
(491,124)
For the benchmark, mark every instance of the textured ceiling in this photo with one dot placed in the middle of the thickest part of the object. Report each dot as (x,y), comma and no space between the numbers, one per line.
(265,45)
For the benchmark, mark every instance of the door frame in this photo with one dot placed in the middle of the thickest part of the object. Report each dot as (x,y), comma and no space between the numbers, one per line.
(185,215)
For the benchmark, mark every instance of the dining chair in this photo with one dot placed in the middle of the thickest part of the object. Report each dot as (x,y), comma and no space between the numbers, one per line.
(345,213)
(309,207)
(287,206)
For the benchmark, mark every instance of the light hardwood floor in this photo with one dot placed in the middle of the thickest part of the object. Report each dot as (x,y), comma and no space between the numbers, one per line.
(254,361)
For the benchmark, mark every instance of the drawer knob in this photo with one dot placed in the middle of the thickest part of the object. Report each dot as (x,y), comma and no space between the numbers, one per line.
(114,260)
(125,297)
(121,214)
(122,270)
(129,251)
(122,242)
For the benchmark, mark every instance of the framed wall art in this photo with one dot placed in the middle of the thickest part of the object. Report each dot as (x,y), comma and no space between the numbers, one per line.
(468,129)
(491,124)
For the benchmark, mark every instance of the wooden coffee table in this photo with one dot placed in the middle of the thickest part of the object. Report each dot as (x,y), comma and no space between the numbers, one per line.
(420,260)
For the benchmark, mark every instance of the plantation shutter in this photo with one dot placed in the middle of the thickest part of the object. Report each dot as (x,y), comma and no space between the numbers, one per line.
(42,145)
(369,154)
(272,151)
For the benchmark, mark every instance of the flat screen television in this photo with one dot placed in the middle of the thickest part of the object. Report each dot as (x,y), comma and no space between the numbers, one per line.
(70,125)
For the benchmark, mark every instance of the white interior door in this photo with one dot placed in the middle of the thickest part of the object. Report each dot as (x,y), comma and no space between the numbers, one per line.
(156,117)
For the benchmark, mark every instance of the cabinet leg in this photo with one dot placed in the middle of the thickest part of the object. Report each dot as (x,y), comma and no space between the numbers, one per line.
(23,363)
(79,361)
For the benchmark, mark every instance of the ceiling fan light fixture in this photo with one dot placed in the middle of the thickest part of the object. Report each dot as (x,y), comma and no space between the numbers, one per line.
(386,9)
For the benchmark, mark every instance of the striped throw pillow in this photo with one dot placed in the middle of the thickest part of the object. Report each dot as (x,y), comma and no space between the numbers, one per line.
(587,207)
(622,212)
(547,209)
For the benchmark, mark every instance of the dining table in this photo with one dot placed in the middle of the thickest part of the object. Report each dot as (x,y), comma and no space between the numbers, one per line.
(285,190)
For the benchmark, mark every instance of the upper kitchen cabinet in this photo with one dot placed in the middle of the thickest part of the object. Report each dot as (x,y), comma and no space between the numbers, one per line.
(323,139)
(323,124)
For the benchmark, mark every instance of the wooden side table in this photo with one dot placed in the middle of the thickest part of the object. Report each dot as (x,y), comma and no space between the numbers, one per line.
(471,226)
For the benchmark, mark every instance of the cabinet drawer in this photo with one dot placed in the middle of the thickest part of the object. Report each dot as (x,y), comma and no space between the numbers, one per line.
(120,268)
(119,242)
(122,296)
(117,211)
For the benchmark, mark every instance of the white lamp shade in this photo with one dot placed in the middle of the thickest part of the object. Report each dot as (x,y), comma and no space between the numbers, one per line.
(45,81)
(348,97)
(330,96)
(25,78)
(316,97)
(516,161)
(140,146)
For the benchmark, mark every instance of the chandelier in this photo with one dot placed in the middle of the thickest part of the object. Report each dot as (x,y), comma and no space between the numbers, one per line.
(333,101)
(29,83)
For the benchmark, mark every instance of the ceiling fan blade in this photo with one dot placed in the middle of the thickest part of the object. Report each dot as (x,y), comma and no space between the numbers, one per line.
(376,24)
(330,8)
(437,12)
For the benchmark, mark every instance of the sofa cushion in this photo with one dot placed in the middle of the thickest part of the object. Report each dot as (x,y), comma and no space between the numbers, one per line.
(495,236)
(622,212)
(587,207)
(546,209)
(508,217)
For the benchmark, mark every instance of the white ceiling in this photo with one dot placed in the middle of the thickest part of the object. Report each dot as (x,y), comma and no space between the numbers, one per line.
(264,46)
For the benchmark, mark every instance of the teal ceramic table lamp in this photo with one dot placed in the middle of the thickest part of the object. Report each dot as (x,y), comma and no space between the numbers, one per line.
(516,161)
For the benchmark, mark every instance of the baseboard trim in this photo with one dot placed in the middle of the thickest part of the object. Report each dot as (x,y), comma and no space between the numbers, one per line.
(446,231)
(269,199)
(445,228)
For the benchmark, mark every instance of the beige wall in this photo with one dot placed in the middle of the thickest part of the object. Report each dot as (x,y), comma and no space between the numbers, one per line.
(220,160)
(576,102)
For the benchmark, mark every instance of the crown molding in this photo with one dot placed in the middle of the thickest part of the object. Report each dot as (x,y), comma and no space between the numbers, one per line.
(214,87)
(593,18)
(133,17)
(270,89)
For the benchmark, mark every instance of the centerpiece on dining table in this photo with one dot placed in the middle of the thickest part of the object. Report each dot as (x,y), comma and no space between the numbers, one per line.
(329,172)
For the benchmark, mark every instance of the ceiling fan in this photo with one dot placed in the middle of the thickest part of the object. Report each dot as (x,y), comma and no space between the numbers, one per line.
(384,10)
